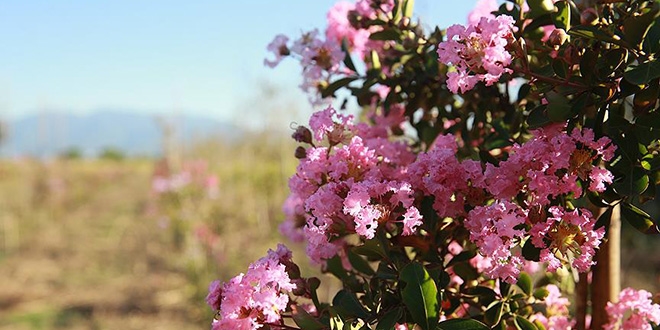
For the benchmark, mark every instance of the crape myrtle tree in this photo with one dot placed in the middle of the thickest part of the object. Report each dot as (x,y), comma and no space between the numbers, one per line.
(488,168)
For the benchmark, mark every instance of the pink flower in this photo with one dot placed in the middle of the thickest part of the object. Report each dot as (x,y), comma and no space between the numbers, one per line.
(556,316)
(411,220)
(635,310)
(215,294)
(478,52)
(483,8)
(259,296)
(279,48)
(339,28)
(492,230)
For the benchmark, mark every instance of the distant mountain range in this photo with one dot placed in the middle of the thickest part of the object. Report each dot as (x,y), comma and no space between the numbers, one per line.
(52,133)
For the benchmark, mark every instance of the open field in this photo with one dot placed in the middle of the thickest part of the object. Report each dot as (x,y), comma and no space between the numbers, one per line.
(84,244)
(81,247)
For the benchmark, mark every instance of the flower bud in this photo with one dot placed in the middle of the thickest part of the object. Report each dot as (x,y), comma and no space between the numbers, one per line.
(302,134)
(557,37)
(301,153)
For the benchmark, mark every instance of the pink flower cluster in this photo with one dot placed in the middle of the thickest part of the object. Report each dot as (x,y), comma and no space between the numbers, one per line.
(635,310)
(494,230)
(349,186)
(193,174)
(438,173)
(249,300)
(363,181)
(567,235)
(555,316)
(537,172)
(341,28)
(549,165)
(478,52)
(320,59)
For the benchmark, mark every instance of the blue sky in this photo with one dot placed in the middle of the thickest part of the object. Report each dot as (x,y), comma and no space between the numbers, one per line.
(199,57)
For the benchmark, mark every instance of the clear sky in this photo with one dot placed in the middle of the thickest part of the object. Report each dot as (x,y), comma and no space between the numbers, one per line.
(199,57)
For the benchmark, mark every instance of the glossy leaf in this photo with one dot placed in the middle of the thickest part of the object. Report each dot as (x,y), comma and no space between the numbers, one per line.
(359,263)
(348,306)
(386,34)
(348,61)
(559,108)
(523,323)
(562,17)
(636,27)
(335,85)
(493,314)
(531,252)
(525,283)
(639,219)
(304,320)
(390,320)
(538,117)
(420,295)
(643,73)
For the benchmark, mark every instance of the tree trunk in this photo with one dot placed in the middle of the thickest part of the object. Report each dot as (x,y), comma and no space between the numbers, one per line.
(606,278)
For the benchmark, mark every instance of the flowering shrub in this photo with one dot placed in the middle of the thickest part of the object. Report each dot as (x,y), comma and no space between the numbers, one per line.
(486,151)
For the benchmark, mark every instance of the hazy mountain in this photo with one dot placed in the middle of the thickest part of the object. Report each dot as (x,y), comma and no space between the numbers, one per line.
(49,134)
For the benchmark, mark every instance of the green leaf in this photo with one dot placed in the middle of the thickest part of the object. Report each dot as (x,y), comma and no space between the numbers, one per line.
(335,267)
(348,306)
(524,324)
(525,283)
(639,219)
(562,17)
(348,61)
(493,314)
(385,272)
(390,319)
(643,73)
(539,7)
(635,27)
(541,293)
(375,60)
(408,6)
(560,68)
(386,34)
(594,33)
(420,295)
(336,322)
(538,117)
(306,321)
(610,62)
(634,182)
(482,292)
(313,283)
(531,252)
(370,249)
(559,108)
(652,39)
(463,256)
(462,324)
(337,84)
(588,63)
(359,263)
(646,99)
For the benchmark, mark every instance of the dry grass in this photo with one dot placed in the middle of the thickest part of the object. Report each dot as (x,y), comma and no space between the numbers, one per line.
(78,249)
